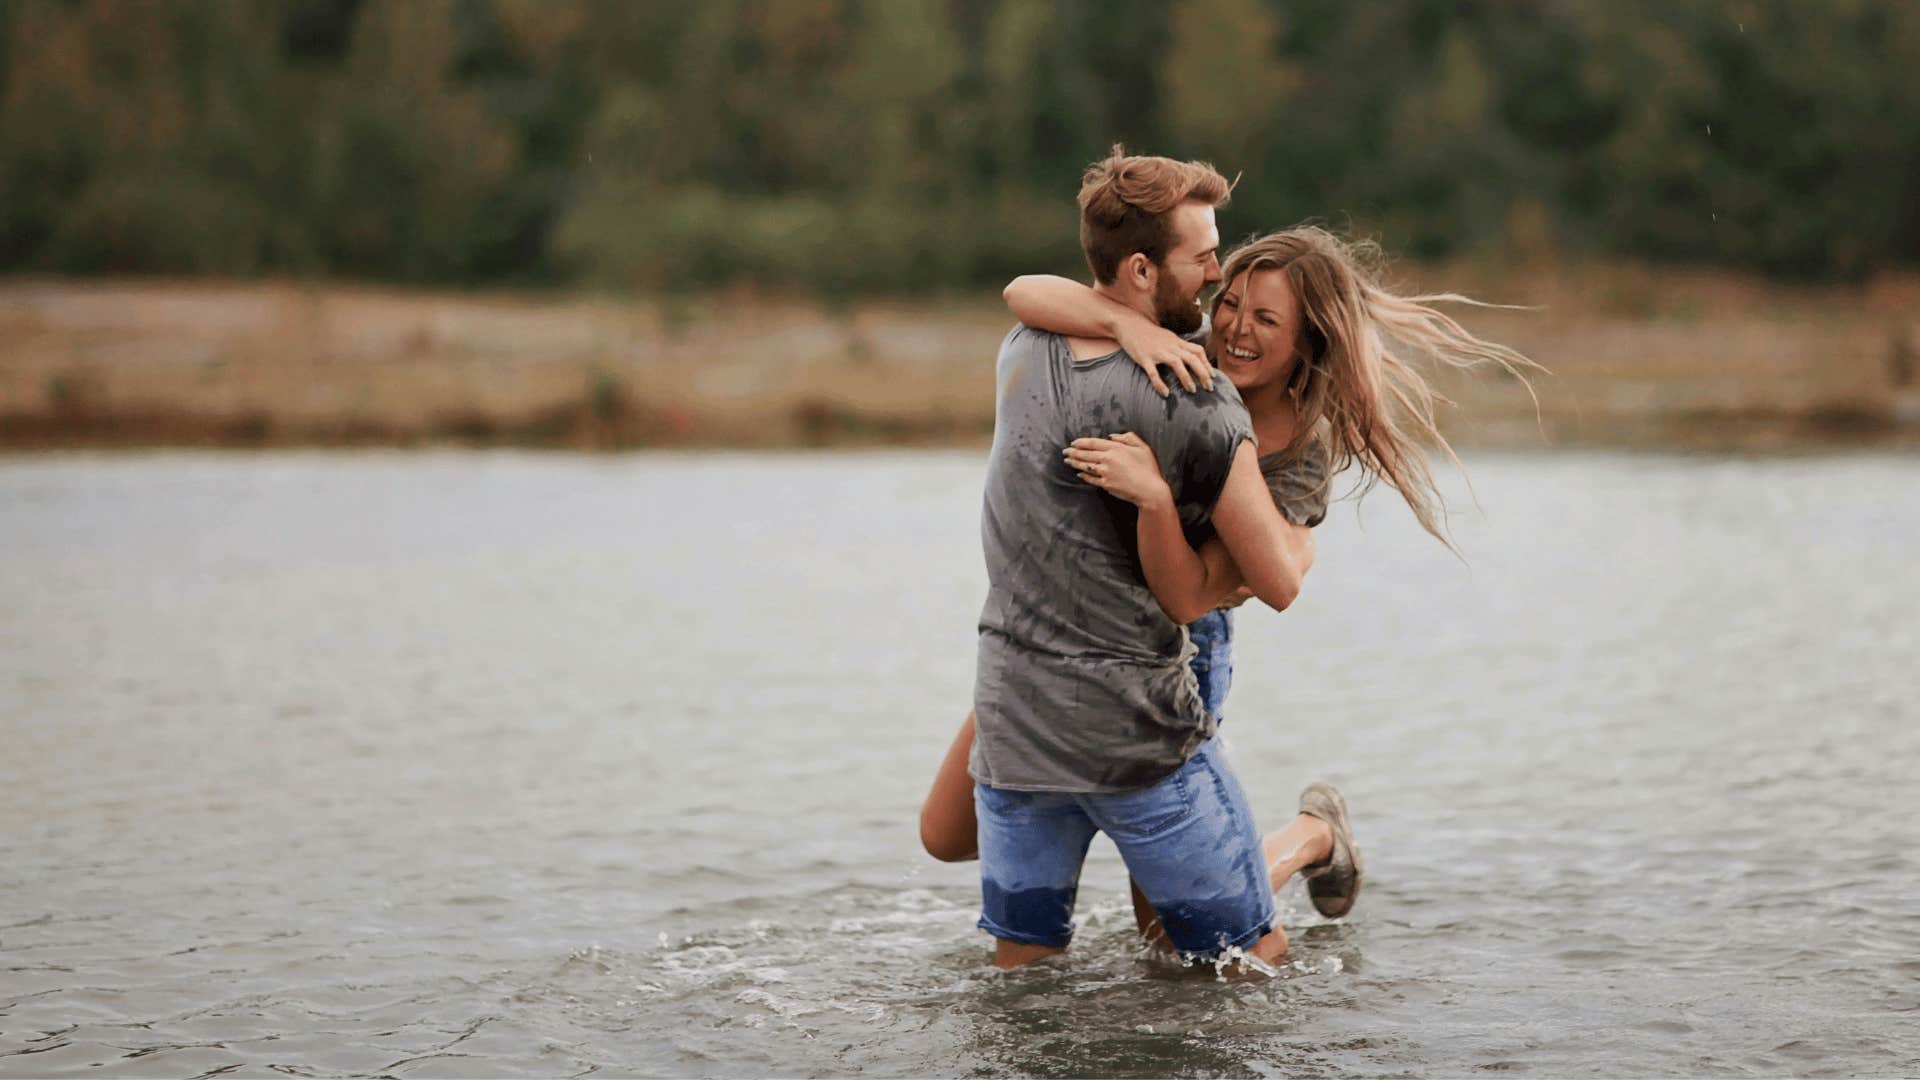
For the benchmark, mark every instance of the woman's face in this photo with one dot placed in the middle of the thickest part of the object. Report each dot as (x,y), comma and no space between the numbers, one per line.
(1256,330)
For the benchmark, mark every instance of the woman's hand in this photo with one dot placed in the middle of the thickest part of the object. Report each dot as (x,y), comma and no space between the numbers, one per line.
(1123,466)
(1154,347)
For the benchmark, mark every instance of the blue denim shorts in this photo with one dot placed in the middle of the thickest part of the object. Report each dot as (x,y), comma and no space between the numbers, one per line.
(1212,663)
(1189,841)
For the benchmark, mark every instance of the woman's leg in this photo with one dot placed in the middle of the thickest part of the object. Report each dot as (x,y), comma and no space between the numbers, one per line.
(1305,841)
(1212,637)
(948,829)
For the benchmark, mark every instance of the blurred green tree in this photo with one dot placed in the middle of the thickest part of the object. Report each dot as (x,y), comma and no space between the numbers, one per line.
(887,145)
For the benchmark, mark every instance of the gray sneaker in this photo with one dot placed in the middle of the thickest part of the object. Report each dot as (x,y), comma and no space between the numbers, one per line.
(1335,882)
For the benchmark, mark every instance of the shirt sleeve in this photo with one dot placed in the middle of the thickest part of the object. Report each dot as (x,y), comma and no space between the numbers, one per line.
(1300,482)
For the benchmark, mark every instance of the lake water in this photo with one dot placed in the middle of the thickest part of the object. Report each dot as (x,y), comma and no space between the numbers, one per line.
(475,764)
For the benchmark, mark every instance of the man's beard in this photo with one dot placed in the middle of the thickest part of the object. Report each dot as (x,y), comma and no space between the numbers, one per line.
(1180,314)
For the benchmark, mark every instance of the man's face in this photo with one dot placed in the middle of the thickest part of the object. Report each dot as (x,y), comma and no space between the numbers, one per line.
(1191,264)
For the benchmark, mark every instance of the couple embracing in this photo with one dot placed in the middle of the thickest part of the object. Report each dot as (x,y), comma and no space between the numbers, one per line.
(1124,519)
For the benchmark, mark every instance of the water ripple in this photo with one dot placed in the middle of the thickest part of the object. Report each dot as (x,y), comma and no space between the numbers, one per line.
(484,791)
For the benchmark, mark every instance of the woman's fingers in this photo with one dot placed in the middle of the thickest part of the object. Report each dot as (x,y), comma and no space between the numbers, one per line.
(1088,465)
(1194,367)
(1159,384)
(1189,365)
(1178,362)
(1099,457)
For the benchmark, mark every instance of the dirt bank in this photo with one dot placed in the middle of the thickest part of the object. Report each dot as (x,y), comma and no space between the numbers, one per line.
(1639,358)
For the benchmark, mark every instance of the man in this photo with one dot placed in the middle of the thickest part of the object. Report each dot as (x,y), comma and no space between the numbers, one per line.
(1087,717)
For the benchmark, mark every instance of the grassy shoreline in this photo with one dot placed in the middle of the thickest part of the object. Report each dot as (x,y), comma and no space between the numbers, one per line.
(1639,358)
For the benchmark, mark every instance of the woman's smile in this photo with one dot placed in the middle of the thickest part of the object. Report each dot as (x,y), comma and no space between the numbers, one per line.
(1258,317)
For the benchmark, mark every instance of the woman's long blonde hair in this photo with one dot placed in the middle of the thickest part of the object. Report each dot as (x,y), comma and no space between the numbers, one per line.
(1379,410)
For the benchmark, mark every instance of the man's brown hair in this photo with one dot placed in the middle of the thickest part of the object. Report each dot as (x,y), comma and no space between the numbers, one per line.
(1126,200)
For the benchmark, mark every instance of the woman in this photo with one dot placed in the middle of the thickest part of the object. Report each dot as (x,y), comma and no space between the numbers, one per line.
(1299,326)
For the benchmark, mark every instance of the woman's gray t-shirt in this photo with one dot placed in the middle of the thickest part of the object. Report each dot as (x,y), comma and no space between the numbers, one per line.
(1299,482)
(1082,681)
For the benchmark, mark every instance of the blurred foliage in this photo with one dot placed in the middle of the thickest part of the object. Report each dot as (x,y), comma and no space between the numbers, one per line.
(907,145)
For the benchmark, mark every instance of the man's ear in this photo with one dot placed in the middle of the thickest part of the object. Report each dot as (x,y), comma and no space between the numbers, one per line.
(1139,271)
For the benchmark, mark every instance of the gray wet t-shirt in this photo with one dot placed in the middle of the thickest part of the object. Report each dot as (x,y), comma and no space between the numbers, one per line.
(1082,682)
(1298,482)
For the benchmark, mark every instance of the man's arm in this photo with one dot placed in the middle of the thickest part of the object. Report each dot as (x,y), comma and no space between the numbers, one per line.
(1271,554)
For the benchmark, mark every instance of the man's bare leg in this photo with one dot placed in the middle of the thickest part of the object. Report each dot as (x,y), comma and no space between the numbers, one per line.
(1270,949)
(1147,919)
(1013,954)
(949,829)
(1305,841)
(949,832)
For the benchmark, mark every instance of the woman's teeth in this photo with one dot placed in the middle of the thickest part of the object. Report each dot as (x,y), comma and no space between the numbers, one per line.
(1241,354)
